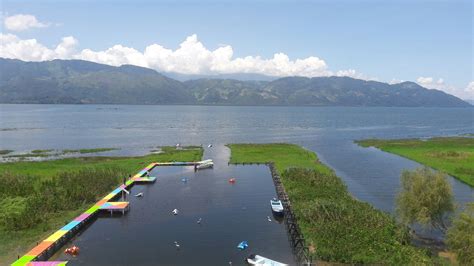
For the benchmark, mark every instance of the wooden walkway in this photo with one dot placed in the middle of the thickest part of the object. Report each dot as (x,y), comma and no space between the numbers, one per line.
(39,255)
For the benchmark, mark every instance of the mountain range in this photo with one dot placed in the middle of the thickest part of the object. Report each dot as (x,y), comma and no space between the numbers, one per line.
(84,82)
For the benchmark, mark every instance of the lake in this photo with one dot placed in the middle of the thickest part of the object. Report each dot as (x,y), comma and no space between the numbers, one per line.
(371,175)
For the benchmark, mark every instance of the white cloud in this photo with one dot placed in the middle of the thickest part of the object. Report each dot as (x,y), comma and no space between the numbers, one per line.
(354,74)
(23,22)
(470,89)
(440,84)
(192,57)
(31,50)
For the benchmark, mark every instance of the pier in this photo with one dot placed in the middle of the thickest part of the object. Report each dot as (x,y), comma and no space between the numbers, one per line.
(39,255)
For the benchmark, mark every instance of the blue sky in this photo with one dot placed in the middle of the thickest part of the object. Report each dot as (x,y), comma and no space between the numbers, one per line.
(385,40)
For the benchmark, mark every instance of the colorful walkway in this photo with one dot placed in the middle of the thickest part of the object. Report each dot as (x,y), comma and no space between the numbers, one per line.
(58,238)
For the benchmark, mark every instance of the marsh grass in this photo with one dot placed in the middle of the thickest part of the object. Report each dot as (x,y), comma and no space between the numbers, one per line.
(452,155)
(3,152)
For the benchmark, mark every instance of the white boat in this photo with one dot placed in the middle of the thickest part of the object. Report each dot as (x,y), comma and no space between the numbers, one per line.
(205,161)
(205,165)
(277,206)
(175,212)
(260,260)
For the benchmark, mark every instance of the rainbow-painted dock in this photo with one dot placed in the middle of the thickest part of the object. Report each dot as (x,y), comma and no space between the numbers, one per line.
(45,249)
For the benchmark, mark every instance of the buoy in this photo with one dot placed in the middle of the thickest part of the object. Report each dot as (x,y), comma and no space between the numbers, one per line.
(175,211)
(74,251)
(232,180)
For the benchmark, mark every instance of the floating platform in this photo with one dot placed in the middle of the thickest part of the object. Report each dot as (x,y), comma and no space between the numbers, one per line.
(115,207)
(47,263)
(43,250)
(145,179)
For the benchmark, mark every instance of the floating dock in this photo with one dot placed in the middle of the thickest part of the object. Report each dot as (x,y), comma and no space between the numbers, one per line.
(39,255)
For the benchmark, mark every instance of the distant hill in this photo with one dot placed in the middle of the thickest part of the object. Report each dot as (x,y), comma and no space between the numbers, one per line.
(77,81)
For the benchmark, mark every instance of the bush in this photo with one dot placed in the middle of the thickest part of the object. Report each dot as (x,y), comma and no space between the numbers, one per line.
(426,197)
(460,236)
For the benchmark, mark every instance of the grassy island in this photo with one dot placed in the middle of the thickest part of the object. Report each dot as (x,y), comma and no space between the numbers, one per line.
(38,197)
(337,227)
(452,155)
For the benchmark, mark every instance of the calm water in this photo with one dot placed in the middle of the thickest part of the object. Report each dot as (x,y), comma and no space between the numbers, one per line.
(230,214)
(371,175)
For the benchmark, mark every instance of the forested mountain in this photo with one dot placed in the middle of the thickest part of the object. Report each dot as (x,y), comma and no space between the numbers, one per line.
(77,81)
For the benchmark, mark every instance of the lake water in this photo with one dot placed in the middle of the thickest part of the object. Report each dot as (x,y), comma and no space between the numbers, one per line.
(371,175)
(230,213)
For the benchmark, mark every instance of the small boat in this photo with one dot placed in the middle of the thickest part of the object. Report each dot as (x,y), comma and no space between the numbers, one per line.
(199,221)
(259,260)
(232,180)
(176,244)
(277,206)
(139,194)
(209,146)
(184,180)
(175,211)
(205,165)
(243,245)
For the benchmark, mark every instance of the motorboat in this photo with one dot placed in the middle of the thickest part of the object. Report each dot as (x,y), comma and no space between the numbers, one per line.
(205,165)
(277,206)
(260,260)
(139,194)
(175,212)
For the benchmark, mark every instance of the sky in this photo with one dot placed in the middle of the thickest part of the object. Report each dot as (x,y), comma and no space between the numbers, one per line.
(429,42)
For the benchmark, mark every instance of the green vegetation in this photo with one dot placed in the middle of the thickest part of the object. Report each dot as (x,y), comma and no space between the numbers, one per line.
(460,236)
(3,152)
(36,198)
(426,197)
(453,155)
(41,151)
(83,151)
(337,227)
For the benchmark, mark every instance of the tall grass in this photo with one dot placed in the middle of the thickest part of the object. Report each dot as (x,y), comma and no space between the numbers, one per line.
(452,155)
(27,201)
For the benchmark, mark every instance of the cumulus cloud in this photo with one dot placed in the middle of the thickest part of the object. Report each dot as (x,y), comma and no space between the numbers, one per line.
(31,50)
(470,89)
(23,22)
(191,57)
(440,84)
(432,83)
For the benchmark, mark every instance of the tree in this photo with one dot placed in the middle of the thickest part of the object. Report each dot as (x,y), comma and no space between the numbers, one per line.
(460,236)
(426,197)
